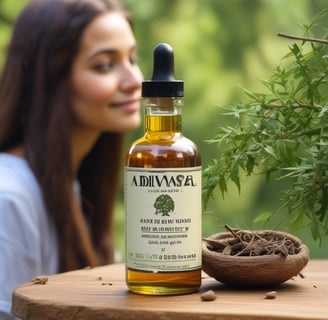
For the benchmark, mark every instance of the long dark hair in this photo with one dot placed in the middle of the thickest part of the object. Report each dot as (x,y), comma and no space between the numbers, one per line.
(35,112)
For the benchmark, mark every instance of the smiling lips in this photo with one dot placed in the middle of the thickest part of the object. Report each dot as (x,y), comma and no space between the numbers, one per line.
(128,105)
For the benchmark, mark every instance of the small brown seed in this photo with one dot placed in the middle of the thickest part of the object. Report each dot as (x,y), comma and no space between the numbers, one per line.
(208,296)
(270,295)
(40,280)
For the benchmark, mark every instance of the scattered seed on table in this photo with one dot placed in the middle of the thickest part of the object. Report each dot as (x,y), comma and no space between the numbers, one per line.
(208,295)
(270,295)
(40,280)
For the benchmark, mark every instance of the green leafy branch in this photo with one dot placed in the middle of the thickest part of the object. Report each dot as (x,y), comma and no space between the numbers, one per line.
(282,134)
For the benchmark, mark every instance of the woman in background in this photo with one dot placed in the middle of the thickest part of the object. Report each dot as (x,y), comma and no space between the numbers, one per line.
(69,91)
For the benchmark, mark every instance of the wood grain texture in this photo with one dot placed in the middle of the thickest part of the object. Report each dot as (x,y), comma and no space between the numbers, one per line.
(101,293)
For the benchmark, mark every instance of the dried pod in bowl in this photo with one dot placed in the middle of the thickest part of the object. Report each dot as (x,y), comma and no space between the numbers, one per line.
(262,258)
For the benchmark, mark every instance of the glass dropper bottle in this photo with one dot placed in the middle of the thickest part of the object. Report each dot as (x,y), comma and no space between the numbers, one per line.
(163,191)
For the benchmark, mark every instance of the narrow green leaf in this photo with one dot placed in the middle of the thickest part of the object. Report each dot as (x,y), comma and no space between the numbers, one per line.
(297,223)
(262,217)
(222,184)
(250,165)
(270,151)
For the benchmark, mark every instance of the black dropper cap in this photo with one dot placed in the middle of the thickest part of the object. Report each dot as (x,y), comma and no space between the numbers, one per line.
(163,82)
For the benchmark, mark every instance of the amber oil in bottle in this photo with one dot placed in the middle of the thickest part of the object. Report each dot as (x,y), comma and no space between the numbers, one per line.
(163,192)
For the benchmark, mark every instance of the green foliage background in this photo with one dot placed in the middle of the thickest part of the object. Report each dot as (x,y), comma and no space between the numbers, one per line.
(220,47)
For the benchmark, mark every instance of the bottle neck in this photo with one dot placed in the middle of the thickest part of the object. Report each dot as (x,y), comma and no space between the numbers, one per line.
(162,114)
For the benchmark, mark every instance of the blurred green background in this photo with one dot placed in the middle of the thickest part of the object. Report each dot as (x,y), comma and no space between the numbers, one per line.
(220,47)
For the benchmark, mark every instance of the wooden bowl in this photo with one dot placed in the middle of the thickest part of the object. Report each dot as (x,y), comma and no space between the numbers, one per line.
(253,271)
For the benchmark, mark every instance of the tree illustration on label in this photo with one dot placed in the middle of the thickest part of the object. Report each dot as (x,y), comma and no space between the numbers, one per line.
(163,205)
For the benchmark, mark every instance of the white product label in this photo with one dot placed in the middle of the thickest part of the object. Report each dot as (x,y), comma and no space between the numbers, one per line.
(163,219)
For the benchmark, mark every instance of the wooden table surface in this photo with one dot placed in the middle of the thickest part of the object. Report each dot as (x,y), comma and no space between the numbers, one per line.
(101,293)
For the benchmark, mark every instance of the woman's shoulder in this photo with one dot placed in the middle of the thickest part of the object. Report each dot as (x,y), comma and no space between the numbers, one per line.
(19,189)
(16,175)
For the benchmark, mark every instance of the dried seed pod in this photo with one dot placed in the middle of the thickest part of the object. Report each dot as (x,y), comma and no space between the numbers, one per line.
(216,245)
(227,250)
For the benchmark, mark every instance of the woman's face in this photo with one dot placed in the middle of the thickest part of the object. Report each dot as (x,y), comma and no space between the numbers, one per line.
(105,79)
